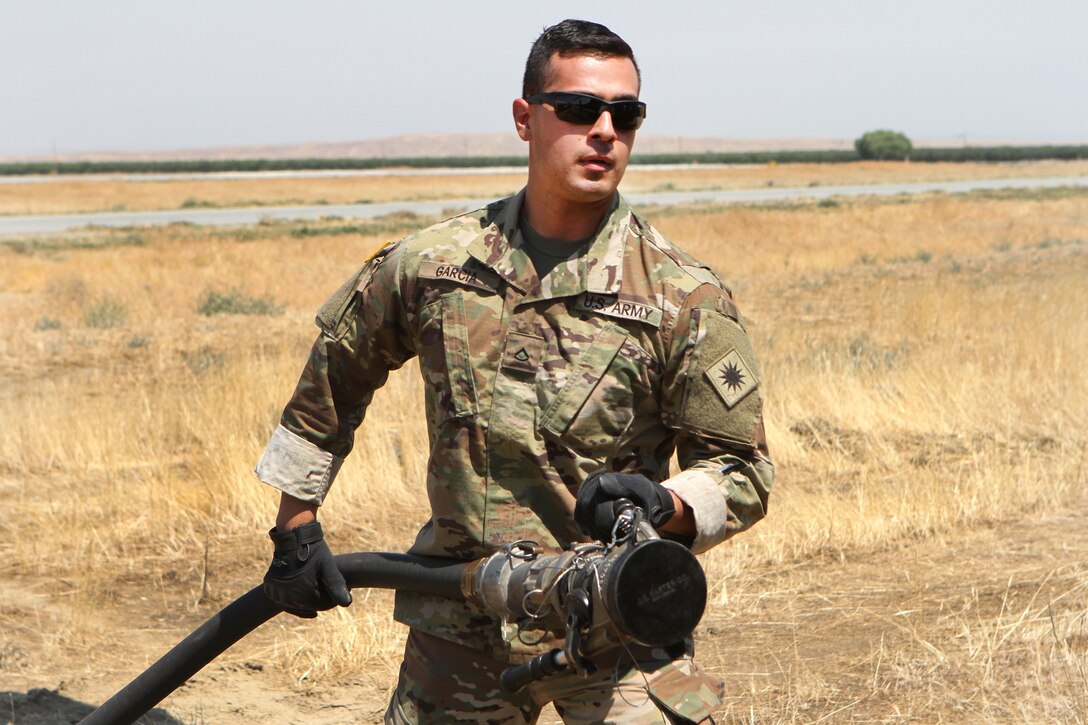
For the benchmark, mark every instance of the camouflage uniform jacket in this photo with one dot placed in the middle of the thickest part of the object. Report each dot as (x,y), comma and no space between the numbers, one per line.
(618,358)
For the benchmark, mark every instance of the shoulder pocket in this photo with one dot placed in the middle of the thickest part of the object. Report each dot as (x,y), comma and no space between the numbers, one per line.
(722,395)
(331,316)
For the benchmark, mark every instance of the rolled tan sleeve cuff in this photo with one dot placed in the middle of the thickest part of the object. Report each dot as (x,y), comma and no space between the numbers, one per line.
(297,467)
(707,499)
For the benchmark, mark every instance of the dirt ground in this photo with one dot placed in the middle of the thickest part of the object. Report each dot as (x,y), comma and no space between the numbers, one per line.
(800,627)
(934,605)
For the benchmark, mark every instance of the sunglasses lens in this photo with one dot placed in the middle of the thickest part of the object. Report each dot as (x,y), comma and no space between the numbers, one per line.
(581,111)
(627,115)
(584,110)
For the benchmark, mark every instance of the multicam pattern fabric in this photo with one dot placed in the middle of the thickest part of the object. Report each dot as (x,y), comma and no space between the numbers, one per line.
(443,682)
(615,359)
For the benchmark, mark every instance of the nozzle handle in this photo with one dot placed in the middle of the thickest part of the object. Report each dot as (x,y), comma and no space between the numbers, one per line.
(513,679)
(627,515)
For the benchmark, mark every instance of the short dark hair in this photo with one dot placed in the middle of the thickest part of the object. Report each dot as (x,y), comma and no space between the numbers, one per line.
(571,37)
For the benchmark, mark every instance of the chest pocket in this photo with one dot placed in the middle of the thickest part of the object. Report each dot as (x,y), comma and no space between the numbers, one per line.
(445,359)
(592,410)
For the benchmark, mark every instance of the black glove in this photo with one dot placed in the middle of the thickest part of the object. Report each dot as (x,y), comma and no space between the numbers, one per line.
(595,513)
(303,578)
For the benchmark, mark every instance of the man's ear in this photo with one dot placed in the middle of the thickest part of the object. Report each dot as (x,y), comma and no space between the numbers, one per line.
(521,118)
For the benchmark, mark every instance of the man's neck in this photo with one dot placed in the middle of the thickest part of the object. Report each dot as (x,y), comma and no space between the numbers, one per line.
(564,220)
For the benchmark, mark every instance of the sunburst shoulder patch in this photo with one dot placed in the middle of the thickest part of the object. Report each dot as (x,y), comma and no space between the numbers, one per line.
(731,378)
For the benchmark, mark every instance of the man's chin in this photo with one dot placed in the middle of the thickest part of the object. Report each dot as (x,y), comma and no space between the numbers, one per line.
(590,190)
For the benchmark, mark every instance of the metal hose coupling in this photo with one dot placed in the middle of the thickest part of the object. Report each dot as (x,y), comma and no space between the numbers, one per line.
(638,588)
(517,582)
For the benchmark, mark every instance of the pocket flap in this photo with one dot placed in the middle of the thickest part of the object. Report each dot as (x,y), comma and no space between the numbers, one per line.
(588,370)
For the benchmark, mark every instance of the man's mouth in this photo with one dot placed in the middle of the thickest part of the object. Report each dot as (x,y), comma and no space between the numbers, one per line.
(596,163)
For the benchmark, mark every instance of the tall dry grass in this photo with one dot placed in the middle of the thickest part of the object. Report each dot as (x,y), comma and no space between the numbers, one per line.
(923,376)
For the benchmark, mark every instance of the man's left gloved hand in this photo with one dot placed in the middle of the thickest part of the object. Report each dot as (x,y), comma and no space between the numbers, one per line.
(595,510)
(303,578)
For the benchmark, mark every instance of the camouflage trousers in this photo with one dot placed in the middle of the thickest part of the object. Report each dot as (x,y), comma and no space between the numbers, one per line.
(445,682)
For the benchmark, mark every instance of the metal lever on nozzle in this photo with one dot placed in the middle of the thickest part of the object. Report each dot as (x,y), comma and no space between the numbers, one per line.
(630,518)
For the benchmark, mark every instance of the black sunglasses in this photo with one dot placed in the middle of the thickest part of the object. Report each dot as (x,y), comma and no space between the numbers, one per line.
(627,115)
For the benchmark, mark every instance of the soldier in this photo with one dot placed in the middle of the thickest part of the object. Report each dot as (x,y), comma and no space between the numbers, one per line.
(568,351)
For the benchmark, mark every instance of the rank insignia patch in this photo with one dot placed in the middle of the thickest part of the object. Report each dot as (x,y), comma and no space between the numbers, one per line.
(523,352)
(731,378)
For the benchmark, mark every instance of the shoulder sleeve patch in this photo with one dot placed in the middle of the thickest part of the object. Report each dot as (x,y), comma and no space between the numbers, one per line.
(330,315)
(722,396)
(731,378)
(334,308)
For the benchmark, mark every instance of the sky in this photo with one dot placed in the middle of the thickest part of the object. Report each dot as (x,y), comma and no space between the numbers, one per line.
(130,75)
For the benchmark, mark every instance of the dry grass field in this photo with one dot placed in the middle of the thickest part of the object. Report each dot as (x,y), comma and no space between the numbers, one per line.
(73,194)
(925,558)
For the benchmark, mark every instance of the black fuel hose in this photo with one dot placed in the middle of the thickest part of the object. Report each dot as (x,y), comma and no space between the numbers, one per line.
(424,574)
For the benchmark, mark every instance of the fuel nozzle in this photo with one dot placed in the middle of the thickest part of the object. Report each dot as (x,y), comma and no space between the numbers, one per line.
(631,523)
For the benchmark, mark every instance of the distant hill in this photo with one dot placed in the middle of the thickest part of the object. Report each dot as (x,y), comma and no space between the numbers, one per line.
(433,145)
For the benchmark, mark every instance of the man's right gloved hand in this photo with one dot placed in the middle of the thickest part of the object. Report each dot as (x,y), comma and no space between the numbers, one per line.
(595,511)
(303,578)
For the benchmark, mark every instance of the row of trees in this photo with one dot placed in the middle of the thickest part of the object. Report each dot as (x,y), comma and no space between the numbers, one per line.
(885,145)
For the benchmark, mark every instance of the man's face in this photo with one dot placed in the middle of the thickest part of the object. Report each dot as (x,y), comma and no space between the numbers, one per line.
(571,162)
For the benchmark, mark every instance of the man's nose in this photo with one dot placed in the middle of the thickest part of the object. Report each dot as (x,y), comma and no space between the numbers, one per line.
(602,127)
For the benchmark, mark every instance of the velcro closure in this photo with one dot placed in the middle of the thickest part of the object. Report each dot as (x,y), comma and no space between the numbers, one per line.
(297,537)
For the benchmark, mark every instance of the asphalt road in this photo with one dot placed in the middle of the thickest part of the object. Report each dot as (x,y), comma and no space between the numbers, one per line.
(51,224)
